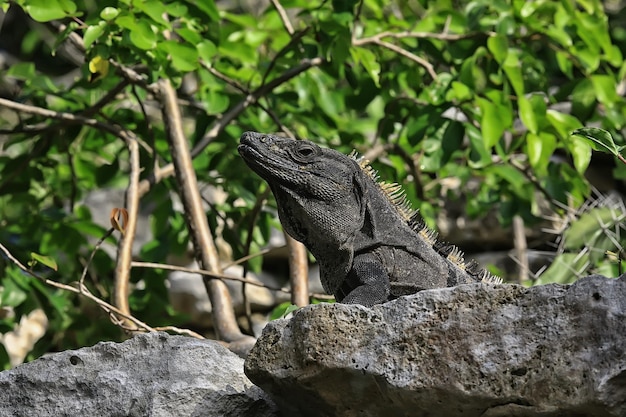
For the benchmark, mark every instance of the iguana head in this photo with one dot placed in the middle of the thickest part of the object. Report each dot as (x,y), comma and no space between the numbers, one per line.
(298,165)
(318,202)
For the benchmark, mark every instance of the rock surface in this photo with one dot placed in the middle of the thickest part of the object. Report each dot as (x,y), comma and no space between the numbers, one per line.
(472,350)
(149,375)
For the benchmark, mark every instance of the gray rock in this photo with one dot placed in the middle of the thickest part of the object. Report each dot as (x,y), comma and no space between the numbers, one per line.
(149,375)
(472,350)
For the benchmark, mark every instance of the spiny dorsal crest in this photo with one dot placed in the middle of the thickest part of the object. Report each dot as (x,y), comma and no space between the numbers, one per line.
(395,194)
(451,252)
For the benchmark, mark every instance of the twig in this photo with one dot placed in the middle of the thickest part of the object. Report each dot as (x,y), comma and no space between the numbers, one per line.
(401,51)
(252,98)
(108,97)
(108,308)
(93,253)
(420,35)
(283,16)
(246,258)
(178,330)
(204,272)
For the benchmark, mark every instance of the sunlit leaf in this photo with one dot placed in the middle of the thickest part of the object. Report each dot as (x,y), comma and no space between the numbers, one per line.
(600,139)
(45,260)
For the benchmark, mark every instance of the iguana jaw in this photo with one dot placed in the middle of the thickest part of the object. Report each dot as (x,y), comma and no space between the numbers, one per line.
(268,165)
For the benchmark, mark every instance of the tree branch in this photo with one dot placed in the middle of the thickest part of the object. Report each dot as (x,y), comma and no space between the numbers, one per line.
(204,247)
(283,16)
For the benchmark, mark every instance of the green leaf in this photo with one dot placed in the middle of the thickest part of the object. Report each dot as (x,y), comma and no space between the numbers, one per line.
(493,122)
(156,11)
(142,36)
(499,47)
(459,92)
(109,13)
(532,111)
(539,148)
(369,61)
(282,310)
(563,123)
(22,71)
(47,10)
(206,50)
(215,102)
(11,294)
(605,88)
(184,57)
(600,140)
(581,152)
(513,69)
(45,260)
(92,33)
(208,7)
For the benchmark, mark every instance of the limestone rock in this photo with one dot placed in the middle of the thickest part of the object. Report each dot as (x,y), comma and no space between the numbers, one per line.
(472,350)
(149,375)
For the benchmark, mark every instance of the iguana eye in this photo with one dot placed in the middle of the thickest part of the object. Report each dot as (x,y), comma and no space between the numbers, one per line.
(303,152)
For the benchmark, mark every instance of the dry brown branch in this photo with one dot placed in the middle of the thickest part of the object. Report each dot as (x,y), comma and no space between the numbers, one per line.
(204,247)
(521,248)
(125,244)
(210,274)
(298,272)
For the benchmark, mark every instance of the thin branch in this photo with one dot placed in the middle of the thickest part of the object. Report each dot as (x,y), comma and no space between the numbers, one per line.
(108,308)
(224,78)
(206,273)
(246,258)
(295,38)
(178,330)
(93,253)
(252,98)
(67,117)
(283,16)
(401,51)
(106,99)
(420,35)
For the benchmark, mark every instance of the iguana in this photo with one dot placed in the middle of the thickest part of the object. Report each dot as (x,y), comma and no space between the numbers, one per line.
(370,246)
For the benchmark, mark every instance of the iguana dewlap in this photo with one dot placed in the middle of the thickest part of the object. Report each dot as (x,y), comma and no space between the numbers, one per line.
(370,246)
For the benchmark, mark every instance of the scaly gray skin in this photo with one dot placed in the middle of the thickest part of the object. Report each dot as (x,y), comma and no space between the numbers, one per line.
(367,251)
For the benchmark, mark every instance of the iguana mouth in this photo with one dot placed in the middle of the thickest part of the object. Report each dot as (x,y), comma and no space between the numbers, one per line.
(265,164)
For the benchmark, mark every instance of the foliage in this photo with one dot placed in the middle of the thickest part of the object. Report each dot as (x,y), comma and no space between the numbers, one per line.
(426,89)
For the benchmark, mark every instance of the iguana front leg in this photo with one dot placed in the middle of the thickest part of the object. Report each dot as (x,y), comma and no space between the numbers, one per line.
(367,282)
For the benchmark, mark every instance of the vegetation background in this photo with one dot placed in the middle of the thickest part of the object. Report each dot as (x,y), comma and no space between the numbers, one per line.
(105,94)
